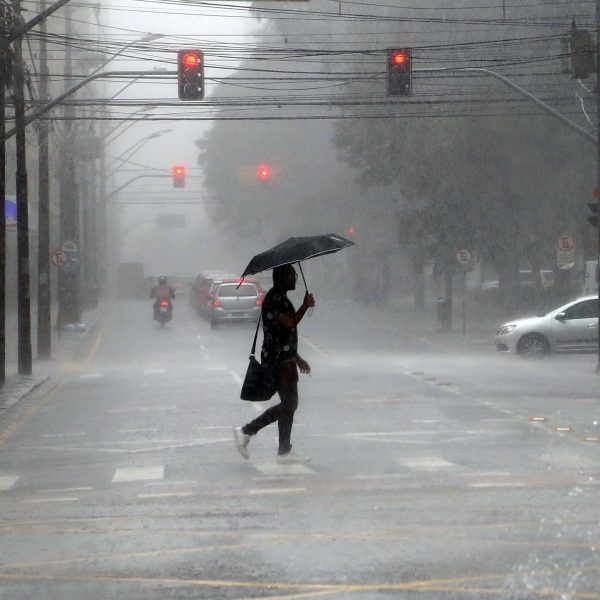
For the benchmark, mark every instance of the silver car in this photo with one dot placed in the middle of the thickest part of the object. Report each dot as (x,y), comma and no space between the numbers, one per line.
(230,301)
(572,327)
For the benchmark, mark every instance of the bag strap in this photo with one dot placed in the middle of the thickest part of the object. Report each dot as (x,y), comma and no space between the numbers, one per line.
(255,336)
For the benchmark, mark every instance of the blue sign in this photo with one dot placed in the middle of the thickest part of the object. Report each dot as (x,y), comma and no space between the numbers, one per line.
(10,211)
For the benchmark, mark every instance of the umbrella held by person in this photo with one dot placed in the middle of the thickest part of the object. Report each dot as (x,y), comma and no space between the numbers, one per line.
(280,352)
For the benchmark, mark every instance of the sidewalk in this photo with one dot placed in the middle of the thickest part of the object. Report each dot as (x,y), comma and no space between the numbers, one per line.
(17,386)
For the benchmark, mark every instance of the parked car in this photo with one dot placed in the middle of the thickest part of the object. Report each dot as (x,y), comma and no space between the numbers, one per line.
(235,300)
(572,327)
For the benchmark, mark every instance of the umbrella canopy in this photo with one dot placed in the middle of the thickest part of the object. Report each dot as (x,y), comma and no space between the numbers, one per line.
(296,249)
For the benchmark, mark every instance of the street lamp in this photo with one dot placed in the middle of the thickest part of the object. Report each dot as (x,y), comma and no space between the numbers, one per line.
(135,147)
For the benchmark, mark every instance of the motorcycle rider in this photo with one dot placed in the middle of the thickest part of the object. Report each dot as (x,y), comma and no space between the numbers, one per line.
(162,291)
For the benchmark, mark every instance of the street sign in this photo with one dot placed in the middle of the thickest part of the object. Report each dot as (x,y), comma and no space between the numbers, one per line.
(565,252)
(59,258)
(463,256)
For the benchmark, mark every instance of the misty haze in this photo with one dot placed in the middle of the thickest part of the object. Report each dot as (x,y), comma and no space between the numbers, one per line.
(391,208)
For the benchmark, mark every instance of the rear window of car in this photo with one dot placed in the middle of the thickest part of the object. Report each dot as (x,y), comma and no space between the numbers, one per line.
(232,291)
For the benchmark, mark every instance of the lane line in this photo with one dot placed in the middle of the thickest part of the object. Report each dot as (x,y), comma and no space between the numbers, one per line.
(7,481)
(127,474)
(44,500)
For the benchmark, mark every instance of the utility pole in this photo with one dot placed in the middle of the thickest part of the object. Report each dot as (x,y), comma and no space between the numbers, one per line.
(69,275)
(23,280)
(598,161)
(44,318)
(3,81)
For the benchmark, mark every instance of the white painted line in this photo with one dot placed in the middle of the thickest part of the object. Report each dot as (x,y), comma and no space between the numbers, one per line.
(497,484)
(61,435)
(426,421)
(7,481)
(165,495)
(426,463)
(63,490)
(313,346)
(184,482)
(144,408)
(91,375)
(138,474)
(40,500)
(276,469)
(236,378)
(151,430)
(154,371)
(277,491)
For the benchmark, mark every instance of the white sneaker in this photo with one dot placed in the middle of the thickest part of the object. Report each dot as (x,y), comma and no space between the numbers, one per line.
(241,441)
(292,459)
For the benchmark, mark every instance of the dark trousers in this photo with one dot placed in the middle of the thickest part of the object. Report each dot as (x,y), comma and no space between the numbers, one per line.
(283,413)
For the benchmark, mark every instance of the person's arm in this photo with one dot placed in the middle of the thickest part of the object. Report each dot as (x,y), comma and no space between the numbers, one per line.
(303,366)
(290,320)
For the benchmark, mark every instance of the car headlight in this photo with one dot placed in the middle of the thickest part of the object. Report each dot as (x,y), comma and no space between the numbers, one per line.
(506,329)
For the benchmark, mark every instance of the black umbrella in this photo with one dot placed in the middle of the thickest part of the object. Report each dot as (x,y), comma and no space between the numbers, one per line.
(294,250)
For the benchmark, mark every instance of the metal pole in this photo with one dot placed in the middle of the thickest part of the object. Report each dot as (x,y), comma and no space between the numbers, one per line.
(3,75)
(23,285)
(598,161)
(44,318)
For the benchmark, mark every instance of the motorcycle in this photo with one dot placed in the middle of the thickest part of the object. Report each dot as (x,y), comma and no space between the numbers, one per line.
(165,312)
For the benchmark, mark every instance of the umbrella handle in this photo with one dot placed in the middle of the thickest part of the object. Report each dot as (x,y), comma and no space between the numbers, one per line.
(310,310)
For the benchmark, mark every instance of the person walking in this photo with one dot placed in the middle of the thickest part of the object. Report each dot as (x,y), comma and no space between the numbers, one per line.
(280,352)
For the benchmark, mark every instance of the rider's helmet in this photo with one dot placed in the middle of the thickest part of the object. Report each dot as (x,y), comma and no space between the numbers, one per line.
(162,280)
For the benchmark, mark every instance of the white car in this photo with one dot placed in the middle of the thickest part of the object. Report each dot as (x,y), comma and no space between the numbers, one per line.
(572,327)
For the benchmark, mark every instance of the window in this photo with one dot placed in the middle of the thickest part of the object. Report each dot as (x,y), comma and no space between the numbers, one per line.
(232,291)
(587,309)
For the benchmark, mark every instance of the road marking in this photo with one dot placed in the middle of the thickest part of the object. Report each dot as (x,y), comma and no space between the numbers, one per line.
(236,377)
(183,482)
(495,484)
(164,495)
(296,490)
(63,490)
(277,469)
(7,481)
(43,500)
(143,408)
(154,371)
(138,474)
(60,435)
(91,375)
(150,430)
(426,463)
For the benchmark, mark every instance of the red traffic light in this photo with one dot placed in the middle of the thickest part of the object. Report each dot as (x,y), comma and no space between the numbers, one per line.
(264,172)
(399,58)
(178,176)
(191,60)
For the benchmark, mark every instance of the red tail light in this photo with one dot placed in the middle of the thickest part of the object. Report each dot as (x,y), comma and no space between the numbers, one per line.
(216,303)
(164,303)
(258,302)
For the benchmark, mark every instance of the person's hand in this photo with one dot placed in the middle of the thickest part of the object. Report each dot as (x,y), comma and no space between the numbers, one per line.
(309,300)
(303,365)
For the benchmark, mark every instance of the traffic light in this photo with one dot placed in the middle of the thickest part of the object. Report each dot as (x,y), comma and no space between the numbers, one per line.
(179,176)
(190,74)
(593,218)
(582,53)
(264,172)
(399,71)
(351,230)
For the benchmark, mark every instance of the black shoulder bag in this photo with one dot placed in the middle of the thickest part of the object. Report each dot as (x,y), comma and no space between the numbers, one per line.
(260,383)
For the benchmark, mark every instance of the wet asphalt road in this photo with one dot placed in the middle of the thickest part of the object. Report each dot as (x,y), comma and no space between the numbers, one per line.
(434,474)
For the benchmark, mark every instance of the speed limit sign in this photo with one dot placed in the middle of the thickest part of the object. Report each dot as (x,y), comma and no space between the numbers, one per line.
(59,258)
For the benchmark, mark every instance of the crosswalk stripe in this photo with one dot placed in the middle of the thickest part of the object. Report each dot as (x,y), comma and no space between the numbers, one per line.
(138,474)
(426,463)
(276,469)
(7,481)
